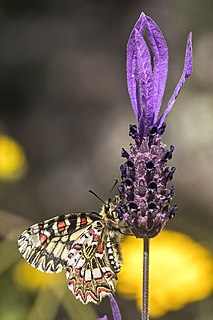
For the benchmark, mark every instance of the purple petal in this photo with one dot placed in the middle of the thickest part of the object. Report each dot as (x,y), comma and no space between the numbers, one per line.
(187,71)
(103,318)
(160,52)
(115,309)
(131,65)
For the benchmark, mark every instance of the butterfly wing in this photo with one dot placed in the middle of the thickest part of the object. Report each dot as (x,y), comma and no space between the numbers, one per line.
(46,245)
(94,260)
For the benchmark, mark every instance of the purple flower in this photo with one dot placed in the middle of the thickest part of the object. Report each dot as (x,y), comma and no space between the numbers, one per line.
(115,310)
(145,199)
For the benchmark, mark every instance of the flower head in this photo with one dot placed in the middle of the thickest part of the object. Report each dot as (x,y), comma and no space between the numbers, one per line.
(181,271)
(145,199)
(12,159)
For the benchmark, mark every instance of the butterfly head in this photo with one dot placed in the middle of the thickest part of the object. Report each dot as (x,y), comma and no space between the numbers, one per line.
(110,208)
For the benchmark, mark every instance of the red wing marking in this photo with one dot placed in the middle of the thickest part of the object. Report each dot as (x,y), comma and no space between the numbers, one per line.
(99,280)
(95,238)
(76,271)
(83,220)
(61,226)
(100,289)
(100,248)
(43,238)
(89,293)
(77,246)
(79,291)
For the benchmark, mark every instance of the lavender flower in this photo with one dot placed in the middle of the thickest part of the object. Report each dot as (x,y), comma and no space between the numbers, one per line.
(145,198)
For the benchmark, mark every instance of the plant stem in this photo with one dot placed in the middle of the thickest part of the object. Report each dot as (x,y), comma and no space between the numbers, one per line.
(145,292)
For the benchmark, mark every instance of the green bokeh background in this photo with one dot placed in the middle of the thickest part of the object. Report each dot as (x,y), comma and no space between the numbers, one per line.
(63,96)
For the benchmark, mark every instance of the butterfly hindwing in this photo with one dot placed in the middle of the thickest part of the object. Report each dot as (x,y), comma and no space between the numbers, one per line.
(46,245)
(93,263)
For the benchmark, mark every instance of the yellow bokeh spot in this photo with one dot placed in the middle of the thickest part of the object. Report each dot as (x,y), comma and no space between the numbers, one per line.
(30,278)
(181,271)
(12,159)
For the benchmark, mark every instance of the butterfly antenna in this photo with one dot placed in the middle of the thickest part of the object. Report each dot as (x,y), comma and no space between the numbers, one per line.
(97,196)
(114,185)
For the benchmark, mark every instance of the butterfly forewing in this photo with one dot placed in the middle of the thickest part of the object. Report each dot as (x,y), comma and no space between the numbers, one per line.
(46,245)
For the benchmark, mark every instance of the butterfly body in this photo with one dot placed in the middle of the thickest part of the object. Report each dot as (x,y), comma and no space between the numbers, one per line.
(85,244)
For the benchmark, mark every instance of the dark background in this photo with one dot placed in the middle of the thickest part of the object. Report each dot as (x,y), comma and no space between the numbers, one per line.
(63,96)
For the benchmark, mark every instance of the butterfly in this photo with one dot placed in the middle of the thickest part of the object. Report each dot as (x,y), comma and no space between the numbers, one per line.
(87,245)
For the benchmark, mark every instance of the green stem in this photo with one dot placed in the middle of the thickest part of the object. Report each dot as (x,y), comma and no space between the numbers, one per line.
(145,293)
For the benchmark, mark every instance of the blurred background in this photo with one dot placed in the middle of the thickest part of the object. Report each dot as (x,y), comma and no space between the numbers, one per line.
(64,117)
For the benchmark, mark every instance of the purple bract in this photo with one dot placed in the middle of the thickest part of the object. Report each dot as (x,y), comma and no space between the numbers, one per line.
(115,310)
(146,84)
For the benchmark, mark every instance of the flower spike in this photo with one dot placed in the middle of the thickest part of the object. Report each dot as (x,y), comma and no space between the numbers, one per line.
(145,196)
